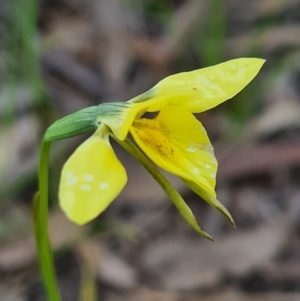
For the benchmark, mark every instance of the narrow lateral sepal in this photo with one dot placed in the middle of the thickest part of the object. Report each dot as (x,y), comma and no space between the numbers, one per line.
(210,200)
(170,191)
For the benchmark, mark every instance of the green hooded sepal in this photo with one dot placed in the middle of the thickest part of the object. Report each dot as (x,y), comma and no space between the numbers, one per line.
(80,122)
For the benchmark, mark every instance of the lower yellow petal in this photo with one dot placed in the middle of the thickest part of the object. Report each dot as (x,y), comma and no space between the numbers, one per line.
(177,142)
(90,180)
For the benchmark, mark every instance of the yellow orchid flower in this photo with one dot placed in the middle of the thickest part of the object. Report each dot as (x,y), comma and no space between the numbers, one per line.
(174,139)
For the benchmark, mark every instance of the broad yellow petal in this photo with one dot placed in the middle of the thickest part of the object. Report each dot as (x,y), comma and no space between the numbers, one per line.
(90,180)
(177,142)
(203,89)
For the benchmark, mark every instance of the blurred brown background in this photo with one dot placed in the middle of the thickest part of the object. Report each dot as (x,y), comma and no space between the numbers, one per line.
(58,56)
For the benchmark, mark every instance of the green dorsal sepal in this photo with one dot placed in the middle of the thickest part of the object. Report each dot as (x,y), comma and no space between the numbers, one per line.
(80,122)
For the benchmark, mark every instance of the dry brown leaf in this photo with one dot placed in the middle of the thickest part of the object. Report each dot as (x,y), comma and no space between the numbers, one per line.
(144,294)
(7,294)
(73,34)
(19,151)
(245,297)
(280,116)
(268,7)
(189,264)
(267,41)
(22,253)
(108,266)
(268,158)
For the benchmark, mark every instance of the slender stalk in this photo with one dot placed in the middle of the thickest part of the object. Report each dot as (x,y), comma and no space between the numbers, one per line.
(41,227)
(171,192)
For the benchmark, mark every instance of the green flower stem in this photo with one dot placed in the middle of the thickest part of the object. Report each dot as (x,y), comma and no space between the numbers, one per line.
(171,192)
(40,215)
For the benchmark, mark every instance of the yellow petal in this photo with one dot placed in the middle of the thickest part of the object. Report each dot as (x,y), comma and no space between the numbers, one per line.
(203,89)
(90,180)
(177,142)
